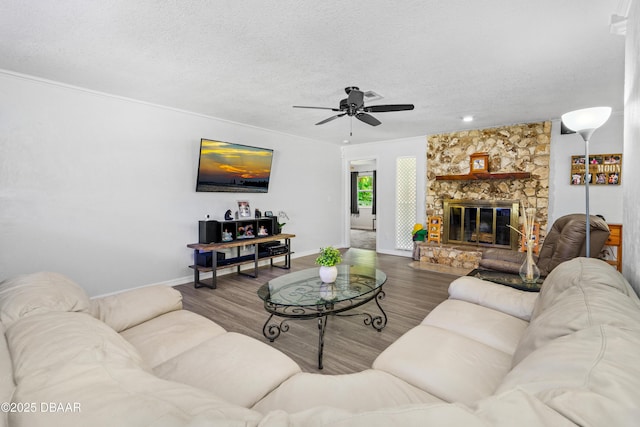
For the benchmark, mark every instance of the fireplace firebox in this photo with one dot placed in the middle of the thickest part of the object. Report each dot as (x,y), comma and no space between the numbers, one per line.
(481,222)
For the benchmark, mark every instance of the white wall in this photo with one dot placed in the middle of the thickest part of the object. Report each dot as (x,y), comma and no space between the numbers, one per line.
(631,218)
(565,198)
(385,153)
(103,188)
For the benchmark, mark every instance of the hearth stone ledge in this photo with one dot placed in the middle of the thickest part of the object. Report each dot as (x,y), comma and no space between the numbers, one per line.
(458,256)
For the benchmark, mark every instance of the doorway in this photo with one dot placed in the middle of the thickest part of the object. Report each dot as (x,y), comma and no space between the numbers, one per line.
(362,224)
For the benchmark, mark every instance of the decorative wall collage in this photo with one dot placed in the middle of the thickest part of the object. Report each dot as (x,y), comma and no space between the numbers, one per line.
(604,169)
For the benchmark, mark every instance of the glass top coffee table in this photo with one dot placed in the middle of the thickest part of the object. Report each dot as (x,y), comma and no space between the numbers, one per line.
(507,279)
(302,295)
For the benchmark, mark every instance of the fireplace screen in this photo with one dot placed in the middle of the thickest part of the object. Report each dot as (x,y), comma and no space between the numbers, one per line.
(481,222)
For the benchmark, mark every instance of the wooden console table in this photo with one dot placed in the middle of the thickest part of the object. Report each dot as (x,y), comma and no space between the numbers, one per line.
(214,248)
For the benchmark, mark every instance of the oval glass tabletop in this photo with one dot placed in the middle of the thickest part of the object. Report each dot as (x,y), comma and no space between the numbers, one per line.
(304,288)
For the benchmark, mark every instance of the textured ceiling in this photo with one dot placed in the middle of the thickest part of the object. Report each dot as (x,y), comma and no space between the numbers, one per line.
(250,61)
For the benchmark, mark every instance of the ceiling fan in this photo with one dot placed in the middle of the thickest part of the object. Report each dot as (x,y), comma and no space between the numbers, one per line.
(353,105)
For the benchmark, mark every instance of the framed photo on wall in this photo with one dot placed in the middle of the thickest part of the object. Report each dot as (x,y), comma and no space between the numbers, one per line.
(244,211)
(604,169)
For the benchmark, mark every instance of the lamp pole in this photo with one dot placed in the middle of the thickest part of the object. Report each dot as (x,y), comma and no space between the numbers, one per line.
(585,122)
(587,179)
(586,135)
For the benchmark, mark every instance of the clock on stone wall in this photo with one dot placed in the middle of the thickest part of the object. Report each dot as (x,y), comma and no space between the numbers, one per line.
(479,162)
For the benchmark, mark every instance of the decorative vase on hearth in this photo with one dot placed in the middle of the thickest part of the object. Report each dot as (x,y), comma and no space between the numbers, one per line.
(529,271)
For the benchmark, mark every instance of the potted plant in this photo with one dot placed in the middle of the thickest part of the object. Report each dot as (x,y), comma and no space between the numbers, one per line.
(327,260)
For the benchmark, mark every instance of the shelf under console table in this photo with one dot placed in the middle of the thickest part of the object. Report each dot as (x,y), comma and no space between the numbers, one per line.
(214,248)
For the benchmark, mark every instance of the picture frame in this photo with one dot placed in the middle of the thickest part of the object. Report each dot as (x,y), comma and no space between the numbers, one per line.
(244,210)
(604,169)
(479,163)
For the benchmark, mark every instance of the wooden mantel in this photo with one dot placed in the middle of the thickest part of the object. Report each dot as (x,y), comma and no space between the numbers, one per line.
(484,176)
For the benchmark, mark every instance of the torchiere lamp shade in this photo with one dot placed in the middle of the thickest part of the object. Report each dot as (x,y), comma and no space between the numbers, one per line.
(586,120)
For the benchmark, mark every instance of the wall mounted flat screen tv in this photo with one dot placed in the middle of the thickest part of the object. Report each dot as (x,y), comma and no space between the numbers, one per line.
(235,168)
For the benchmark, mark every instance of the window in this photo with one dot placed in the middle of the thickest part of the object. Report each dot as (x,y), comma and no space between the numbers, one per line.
(406,190)
(365,191)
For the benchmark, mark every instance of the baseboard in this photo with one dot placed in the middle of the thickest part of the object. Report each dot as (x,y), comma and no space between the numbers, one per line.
(396,252)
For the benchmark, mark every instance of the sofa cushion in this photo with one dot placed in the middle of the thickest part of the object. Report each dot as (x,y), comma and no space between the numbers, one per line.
(509,409)
(35,293)
(435,414)
(492,295)
(577,295)
(76,360)
(41,344)
(591,376)
(518,408)
(7,386)
(363,391)
(166,336)
(130,308)
(450,366)
(240,369)
(493,328)
(589,272)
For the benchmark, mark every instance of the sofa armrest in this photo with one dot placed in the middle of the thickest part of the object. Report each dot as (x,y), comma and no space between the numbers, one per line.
(130,308)
(492,295)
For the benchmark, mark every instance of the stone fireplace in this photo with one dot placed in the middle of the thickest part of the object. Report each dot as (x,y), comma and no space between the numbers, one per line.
(511,149)
(518,174)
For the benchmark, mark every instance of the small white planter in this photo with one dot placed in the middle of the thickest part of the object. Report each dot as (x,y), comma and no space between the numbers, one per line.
(328,274)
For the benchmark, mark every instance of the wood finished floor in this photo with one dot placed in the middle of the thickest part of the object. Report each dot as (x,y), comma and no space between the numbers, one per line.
(349,345)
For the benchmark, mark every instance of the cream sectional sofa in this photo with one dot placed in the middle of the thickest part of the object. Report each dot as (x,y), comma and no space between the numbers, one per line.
(489,355)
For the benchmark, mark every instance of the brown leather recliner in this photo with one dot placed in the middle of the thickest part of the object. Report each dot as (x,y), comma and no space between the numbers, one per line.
(565,241)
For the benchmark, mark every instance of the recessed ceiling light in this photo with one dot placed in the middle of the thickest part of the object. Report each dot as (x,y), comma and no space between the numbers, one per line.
(467,119)
(345,141)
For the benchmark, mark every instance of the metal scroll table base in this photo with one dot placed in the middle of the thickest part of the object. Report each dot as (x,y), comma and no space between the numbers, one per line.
(321,312)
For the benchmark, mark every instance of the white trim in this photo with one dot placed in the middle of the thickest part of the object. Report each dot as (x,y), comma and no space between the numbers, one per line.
(624,6)
(618,23)
(397,252)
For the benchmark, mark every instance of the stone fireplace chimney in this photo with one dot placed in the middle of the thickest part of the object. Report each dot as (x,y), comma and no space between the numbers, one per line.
(512,152)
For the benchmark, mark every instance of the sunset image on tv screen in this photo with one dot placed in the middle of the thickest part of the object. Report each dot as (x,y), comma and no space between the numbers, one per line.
(233,167)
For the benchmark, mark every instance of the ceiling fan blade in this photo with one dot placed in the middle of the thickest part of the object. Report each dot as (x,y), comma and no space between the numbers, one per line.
(317,108)
(330,118)
(356,97)
(368,119)
(390,107)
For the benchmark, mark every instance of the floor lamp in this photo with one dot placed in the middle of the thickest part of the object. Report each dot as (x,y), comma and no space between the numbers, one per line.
(585,122)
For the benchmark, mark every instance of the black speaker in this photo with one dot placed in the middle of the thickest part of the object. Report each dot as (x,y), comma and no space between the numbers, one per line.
(204,259)
(208,232)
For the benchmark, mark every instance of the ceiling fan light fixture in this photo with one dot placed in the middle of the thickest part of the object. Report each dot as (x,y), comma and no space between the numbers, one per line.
(353,105)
